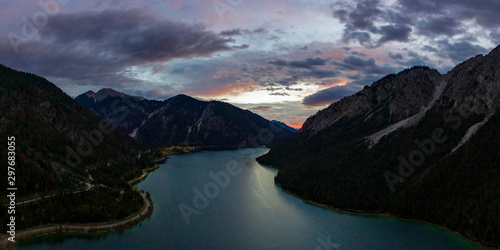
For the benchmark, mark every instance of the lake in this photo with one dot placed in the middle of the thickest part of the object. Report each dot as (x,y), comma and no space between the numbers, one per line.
(226,200)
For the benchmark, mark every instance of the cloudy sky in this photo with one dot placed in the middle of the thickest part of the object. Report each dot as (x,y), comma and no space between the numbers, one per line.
(284,60)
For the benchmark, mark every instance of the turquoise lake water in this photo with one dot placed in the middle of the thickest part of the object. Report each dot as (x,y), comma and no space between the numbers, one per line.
(238,206)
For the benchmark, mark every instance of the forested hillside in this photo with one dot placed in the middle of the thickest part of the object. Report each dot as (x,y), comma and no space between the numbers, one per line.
(61,148)
(437,160)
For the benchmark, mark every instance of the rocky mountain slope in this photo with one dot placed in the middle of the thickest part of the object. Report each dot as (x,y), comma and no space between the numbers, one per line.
(382,103)
(185,121)
(124,111)
(416,144)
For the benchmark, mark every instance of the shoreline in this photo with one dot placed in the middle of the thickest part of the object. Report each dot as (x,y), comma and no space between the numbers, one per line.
(145,175)
(99,228)
(385,215)
(89,228)
(107,227)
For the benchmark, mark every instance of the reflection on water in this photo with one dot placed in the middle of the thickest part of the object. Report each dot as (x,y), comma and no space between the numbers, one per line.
(247,212)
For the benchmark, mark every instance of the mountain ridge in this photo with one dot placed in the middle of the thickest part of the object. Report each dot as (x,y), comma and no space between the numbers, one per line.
(434,156)
(185,121)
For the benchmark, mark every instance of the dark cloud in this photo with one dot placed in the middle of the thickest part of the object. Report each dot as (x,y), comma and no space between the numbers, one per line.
(414,59)
(324,73)
(300,69)
(243,46)
(373,23)
(308,63)
(362,37)
(360,23)
(329,95)
(396,17)
(459,51)
(239,32)
(394,33)
(357,63)
(233,32)
(354,62)
(357,53)
(483,12)
(429,48)
(411,6)
(442,25)
(293,89)
(95,48)
(287,81)
(278,62)
(261,108)
(273,89)
(361,16)
(279,93)
(354,77)
(273,38)
(135,35)
(495,36)
(395,56)
(364,66)
(259,30)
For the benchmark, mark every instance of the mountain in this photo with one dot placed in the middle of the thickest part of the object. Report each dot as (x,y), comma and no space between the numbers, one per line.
(284,126)
(186,121)
(416,144)
(64,151)
(89,99)
(124,111)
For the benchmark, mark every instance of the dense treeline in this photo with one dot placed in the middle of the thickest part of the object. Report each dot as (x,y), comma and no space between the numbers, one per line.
(61,146)
(459,190)
(97,205)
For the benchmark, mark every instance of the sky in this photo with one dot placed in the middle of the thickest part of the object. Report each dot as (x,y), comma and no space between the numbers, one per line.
(284,60)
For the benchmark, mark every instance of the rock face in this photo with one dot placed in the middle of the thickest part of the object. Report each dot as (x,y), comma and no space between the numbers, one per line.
(391,99)
(471,86)
(124,111)
(184,121)
(416,145)
(475,84)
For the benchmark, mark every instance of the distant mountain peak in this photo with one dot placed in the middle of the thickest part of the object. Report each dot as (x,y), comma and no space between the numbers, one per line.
(183,100)
(182,120)
(182,97)
(284,126)
(89,93)
(103,93)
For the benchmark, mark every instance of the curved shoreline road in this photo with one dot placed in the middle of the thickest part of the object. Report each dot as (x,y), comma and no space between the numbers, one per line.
(70,228)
